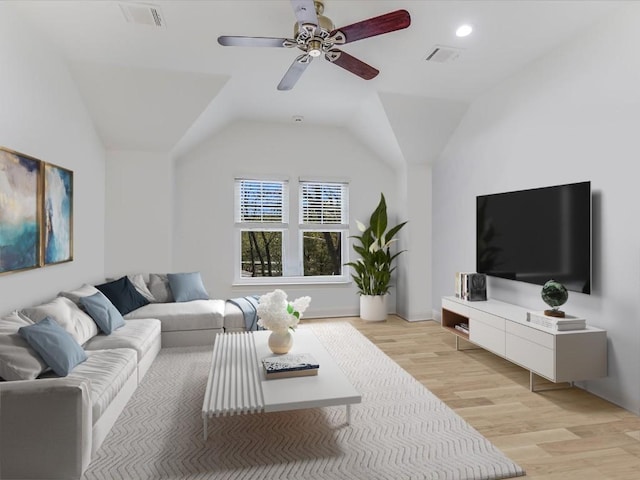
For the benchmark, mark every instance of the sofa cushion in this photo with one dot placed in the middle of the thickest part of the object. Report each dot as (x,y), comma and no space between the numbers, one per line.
(195,315)
(141,286)
(68,315)
(233,318)
(55,345)
(106,316)
(123,295)
(18,361)
(75,295)
(136,334)
(186,287)
(159,287)
(107,371)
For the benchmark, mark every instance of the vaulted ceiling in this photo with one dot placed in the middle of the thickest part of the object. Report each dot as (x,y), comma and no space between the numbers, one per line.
(167,88)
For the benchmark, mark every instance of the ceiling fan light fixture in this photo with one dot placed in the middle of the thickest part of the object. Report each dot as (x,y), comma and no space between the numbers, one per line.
(315,48)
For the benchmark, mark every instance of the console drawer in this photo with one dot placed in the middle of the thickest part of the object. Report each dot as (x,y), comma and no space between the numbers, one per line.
(531,334)
(487,318)
(487,337)
(530,355)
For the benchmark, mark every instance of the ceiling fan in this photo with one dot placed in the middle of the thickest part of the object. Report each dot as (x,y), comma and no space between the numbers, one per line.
(316,34)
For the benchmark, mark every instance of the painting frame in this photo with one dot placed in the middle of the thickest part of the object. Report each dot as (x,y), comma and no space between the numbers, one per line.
(20,212)
(57,215)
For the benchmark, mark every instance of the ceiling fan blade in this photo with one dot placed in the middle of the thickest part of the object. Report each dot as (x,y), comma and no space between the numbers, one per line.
(305,11)
(295,71)
(351,64)
(228,41)
(389,22)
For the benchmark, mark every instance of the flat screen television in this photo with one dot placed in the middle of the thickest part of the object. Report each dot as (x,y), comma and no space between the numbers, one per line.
(537,235)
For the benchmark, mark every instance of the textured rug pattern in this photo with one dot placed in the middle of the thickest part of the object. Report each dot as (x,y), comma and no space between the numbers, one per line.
(399,431)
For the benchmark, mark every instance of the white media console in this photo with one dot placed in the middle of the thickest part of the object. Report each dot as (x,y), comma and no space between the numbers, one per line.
(502,328)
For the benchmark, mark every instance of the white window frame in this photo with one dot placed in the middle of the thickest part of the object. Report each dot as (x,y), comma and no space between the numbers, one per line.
(292,238)
(341,227)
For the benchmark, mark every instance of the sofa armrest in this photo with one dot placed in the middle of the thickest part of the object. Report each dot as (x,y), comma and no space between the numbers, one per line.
(45,428)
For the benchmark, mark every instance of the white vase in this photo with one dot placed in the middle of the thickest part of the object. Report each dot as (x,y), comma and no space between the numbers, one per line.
(373,308)
(281,341)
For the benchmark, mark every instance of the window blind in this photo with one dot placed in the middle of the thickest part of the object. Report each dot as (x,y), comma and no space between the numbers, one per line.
(261,201)
(323,203)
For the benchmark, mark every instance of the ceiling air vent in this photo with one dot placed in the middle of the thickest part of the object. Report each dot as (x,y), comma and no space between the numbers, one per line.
(442,54)
(143,14)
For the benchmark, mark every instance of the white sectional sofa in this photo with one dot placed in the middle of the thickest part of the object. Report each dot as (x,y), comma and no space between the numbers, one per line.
(185,323)
(50,426)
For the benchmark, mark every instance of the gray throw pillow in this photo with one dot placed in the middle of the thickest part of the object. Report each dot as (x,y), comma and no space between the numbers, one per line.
(186,287)
(55,345)
(103,312)
(159,287)
(140,285)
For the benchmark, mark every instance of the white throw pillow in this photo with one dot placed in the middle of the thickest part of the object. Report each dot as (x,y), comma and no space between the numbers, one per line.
(141,286)
(68,315)
(75,295)
(18,361)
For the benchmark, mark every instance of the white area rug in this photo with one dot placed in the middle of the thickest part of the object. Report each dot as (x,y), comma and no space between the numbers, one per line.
(399,431)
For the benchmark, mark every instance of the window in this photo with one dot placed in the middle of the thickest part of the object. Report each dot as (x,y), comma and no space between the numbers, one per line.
(323,226)
(271,250)
(261,214)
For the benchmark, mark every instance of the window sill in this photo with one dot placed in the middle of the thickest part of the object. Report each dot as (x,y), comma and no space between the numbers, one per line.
(329,280)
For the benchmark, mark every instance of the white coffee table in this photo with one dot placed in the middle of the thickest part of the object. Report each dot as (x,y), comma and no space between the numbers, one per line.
(237,385)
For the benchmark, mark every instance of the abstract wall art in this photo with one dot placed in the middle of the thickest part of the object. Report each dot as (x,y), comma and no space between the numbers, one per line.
(36,213)
(58,214)
(20,211)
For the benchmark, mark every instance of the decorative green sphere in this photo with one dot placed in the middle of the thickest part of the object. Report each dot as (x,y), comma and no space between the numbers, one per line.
(554,294)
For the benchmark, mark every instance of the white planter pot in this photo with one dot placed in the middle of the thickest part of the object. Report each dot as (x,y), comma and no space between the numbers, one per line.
(373,308)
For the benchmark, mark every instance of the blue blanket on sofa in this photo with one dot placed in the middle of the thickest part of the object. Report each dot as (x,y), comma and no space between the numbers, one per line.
(249,307)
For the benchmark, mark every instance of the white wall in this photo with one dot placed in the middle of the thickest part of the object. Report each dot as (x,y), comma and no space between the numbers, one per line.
(571,116)
(139,218)
(204,198)
(414,277)
(41,115)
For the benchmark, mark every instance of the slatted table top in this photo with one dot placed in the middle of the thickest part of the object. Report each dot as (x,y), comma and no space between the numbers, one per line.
(237,383)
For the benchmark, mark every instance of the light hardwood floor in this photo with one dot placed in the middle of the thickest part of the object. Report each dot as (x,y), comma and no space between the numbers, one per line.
(565,434)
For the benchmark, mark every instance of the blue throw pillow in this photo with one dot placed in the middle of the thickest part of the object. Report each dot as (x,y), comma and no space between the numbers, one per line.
(187,286)
(54,344)
(100,308)
(123,295)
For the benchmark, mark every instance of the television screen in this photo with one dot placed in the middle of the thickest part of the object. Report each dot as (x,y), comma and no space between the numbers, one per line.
(537,235)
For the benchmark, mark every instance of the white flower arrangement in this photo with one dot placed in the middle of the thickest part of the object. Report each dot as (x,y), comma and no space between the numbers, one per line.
(275,313)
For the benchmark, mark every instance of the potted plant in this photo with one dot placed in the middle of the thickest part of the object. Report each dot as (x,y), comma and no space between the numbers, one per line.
(372,271)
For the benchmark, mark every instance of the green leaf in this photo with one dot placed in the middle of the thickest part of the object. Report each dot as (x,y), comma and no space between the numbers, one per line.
(372,271)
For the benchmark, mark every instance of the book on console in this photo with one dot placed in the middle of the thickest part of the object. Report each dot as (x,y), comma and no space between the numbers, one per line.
(290,365)
(568,322)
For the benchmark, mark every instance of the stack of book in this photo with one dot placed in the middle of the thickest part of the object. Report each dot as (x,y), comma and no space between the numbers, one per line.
(471,286)
(290,365)
(556,323)
(463,327)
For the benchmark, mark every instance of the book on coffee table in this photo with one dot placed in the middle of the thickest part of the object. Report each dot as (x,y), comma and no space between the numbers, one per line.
(290,365)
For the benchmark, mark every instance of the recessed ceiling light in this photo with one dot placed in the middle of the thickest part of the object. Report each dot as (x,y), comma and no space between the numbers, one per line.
(464,30)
